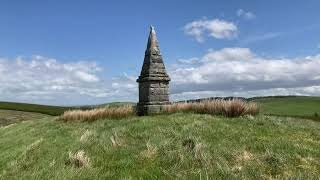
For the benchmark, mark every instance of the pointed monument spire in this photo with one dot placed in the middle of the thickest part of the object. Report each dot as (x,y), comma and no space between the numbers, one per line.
(153,45)
(153,67)
(153,80)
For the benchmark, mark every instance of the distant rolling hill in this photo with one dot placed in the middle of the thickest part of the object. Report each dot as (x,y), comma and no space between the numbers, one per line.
(53,110)
(299,106)
(44,109)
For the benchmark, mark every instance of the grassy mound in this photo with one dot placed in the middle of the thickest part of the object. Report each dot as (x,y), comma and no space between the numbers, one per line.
(172,146)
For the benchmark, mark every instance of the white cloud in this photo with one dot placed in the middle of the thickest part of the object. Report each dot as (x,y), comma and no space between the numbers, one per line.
(188,61)
(215,28)
(48,81)
(240,71)
(261,37)
(86,77)
(224,72)
(245,14)
(228,54)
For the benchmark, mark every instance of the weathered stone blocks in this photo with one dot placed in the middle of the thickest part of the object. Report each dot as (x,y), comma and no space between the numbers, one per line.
(153,80)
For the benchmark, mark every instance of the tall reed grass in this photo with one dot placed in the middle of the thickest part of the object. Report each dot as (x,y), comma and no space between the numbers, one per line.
(228,108)
(98,113)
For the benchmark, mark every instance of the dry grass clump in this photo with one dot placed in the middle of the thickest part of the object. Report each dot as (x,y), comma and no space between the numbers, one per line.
(99,113)
(150,152)
(85,136)
(116,140)
(228,108)
(78,159)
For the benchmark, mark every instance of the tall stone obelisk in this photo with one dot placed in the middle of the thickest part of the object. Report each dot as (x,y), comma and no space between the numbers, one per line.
(153,80)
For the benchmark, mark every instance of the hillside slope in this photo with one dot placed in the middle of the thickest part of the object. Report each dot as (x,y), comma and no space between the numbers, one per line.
(166,146)
(290,106)
(54,110)
(44,109)
(10,117)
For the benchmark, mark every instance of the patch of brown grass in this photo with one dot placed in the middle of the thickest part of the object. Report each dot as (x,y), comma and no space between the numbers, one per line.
(150,152)
(78,159)
(228,108)
(85,136)
(116,140)
(244,156)
(99,113)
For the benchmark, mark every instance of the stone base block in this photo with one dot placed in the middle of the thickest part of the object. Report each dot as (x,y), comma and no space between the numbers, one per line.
(143,110)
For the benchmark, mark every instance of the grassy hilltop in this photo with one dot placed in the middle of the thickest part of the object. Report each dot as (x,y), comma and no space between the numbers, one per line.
(171,146)
(181,145)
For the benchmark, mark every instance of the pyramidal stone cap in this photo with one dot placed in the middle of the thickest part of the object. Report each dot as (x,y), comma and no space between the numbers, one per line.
(153,67)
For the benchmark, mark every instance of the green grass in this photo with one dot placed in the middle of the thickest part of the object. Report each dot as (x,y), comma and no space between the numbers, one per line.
(164,146)
(291,106)
(44,109)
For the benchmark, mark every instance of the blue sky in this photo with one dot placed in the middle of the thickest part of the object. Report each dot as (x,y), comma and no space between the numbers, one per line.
(106,40)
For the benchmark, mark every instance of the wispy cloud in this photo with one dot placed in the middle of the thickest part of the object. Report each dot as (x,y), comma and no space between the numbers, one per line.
(258,38)
(245,14)
(273,35)
(215,28)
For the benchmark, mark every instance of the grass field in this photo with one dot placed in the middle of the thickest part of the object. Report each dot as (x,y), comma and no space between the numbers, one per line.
(50,110)
(167,146)
(181,145)
(306,107)
(10,117)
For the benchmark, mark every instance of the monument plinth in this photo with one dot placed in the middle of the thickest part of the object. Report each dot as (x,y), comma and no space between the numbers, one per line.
(153,80)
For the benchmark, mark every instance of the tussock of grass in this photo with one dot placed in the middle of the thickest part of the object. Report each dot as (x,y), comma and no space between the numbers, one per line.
(116,140)
(85,136)
(201,154)
(150,152)
(78,159)
(99,113)
(228,108)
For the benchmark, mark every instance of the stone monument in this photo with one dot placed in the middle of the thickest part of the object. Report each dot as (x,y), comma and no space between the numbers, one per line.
(153,80)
